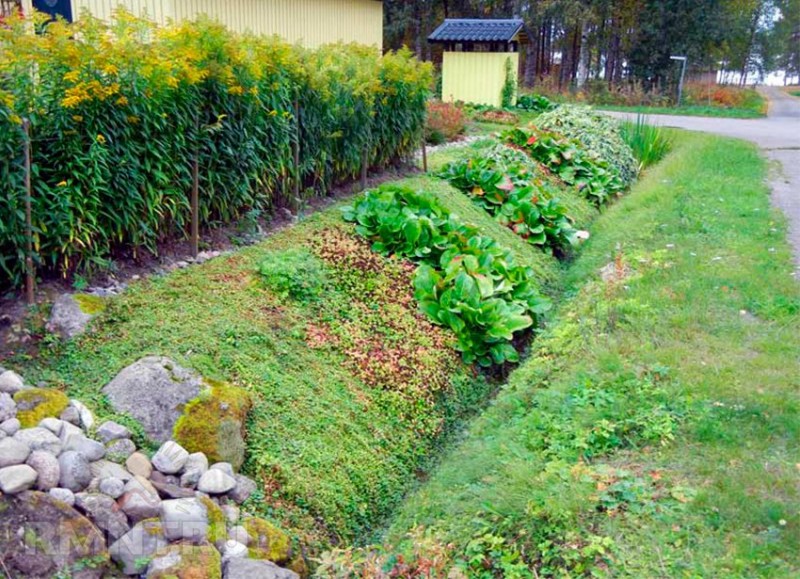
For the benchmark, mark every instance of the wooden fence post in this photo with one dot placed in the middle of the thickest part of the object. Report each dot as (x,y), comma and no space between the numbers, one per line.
(30,276)
(296,151)
(195,200)
(424,155)
(364,167)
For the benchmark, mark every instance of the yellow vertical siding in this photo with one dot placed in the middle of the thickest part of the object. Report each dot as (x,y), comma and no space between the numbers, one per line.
(310,22)
(476,77)
(158,10)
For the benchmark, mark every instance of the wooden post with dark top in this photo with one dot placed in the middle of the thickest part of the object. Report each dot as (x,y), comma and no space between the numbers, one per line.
(30,276)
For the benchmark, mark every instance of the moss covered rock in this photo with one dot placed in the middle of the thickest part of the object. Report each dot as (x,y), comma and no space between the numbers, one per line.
(35,404)
(267,541)
(217,532)
(214,423)
(186,562)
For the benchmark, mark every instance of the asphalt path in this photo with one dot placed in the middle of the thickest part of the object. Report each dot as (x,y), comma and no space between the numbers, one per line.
(778,135)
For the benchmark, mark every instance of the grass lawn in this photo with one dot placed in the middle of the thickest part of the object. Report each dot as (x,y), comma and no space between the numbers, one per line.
(655,429)
(693,111)
(354,389)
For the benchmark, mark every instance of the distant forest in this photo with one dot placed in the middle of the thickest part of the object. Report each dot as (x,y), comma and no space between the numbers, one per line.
(623,41)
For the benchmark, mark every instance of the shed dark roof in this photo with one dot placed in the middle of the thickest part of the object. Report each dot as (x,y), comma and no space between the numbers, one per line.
(477,30)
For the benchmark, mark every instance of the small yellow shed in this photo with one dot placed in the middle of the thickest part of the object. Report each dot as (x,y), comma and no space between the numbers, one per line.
(479,57)
(309,22)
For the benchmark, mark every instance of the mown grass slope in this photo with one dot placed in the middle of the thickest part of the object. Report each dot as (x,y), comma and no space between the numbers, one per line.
(654,430)
(353,387)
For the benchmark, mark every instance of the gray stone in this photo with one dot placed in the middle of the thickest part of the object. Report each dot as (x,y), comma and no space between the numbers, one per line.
(104,513)
(11,382)
(195,467)
(172,491)
(119,450)
(64,495)
(71,415)
(68,429)
(170,458)
(17,478)
(75,471)
(85,415)
(112,486)
(134,550)
(250,568)
(66,317)
(54,425)
(139,464)
(154,391)
(184,519)
(216,482)
(8,408)
(13,451)
(244,488)
(225,467)
(185,561)
(89,448)
(233,550)
(42,537)
(38,438)
(142,485)
(105,469)
(232,513)
(47,467)
(11,426)
(111,430)
(140,505)
(239,534)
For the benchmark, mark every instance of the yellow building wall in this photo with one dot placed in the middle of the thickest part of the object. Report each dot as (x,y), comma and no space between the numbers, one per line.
(476,77)
(310,22)
(158,10)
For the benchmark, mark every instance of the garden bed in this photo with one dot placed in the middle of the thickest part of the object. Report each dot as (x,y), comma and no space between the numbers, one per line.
(652,431)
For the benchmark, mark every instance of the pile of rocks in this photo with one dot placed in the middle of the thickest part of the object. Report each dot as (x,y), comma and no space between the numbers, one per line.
(172,515)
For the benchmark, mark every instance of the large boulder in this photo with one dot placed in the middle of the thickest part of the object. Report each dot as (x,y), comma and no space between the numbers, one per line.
(43,537)
(214,424)
(35,404)
(72,313)
(154,391)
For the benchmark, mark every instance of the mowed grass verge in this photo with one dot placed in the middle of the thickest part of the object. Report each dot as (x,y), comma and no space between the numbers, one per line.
(354,389)
(655,429)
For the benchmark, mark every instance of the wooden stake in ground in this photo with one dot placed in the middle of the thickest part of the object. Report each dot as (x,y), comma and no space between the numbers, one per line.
(424,156)
(195,200)
(30,276)
(296,151)
(364,167)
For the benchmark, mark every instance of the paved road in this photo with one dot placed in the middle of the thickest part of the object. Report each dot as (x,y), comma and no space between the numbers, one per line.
(778,135)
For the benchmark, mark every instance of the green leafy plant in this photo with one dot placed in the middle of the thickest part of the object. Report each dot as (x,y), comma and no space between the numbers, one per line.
(295,274)
(509,91)
(570,162)
(599,136)
(535,103)
(121,110)
(649,142)
(513,194)
(465,281)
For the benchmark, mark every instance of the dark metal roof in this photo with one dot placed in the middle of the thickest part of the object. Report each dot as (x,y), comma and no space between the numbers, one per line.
(477,30)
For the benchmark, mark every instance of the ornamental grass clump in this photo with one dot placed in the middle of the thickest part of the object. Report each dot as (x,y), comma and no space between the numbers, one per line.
(121,112)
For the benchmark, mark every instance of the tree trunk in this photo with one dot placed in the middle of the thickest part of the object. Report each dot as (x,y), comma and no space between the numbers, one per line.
(582,70)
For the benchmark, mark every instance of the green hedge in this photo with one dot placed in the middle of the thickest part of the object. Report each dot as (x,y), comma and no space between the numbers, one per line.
(119,110)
